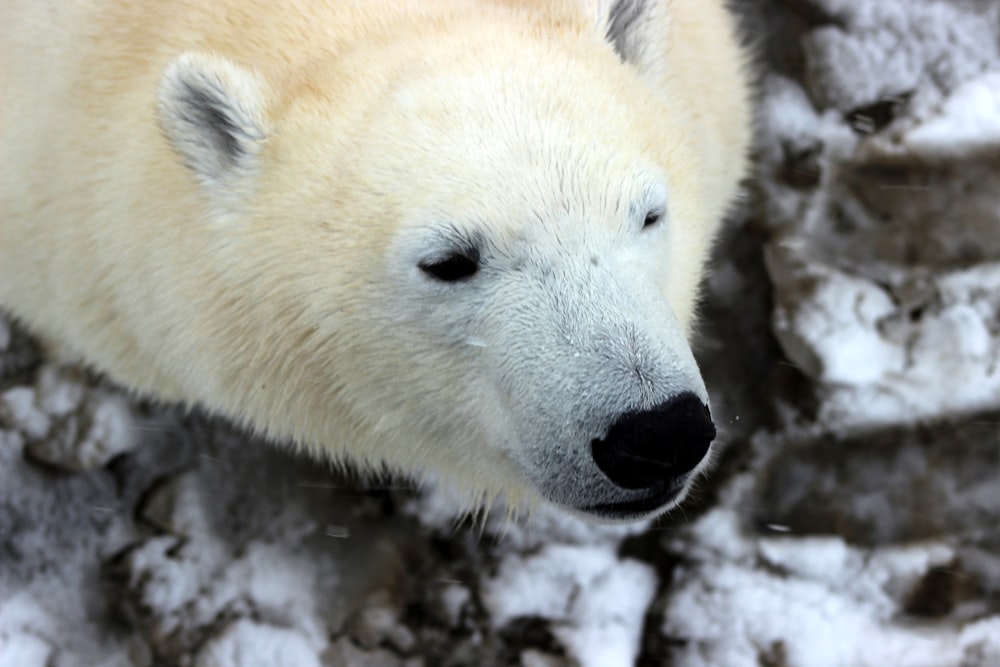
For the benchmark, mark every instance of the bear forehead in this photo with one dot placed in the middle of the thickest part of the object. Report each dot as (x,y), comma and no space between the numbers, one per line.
(469,143)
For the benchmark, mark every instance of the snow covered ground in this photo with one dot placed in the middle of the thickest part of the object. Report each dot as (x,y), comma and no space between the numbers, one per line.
(852,344)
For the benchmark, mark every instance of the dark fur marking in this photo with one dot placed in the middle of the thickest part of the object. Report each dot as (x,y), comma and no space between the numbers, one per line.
(222,128)
(208,113)
(622,19)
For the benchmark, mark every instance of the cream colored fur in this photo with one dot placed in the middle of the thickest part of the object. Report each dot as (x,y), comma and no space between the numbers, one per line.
(274,280)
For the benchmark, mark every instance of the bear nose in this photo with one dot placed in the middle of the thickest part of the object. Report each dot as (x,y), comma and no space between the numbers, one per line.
(646,448)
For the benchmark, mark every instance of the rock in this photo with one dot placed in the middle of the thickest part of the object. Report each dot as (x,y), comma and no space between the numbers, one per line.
(343,653)
(535,658)
(941,590)
(893,486)
(18,352)
(172,505)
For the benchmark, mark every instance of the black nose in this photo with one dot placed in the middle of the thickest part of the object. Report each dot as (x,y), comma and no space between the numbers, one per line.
(645,448)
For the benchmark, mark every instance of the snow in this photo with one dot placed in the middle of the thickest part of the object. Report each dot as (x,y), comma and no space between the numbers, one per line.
(892,47)
(880,364)
(24,650)
(249,644)
(877,302)
(192,587)
(193,577)
(23,628)
(595,601)
(66,425)
(968,120)
(454,598)
(34,632)
(58,395)
(17,406)
(836,331)
(815,602)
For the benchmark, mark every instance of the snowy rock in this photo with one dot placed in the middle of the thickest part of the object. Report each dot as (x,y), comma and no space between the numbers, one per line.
(60,391)
(889,214)
(343,653)
(533,658)
(881,360)
(24,650)
(101,430)
(595,601)
(828,323)
(377,624)
(171,506)
(17,351)
(179,586)
(249,644)
(66,423)
(891,486)
(873,50)
(978,642)
(886,265)
(33,633)
(743,601)
(177,589)
(951,589)
(5,335)
(879,175)
(18,408)
(967,121)
(25,633)
(454,598)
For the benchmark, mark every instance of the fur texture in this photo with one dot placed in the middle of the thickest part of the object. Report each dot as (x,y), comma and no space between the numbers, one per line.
(247,205)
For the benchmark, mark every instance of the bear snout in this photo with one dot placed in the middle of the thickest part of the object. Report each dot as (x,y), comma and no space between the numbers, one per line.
(657,446)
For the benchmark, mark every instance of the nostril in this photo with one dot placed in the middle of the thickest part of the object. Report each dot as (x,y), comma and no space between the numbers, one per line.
(645,448)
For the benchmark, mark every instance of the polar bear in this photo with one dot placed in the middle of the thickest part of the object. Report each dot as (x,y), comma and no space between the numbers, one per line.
(460,238)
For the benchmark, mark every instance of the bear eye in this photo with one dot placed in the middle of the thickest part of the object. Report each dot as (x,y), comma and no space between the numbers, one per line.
(652,218)
(453,267)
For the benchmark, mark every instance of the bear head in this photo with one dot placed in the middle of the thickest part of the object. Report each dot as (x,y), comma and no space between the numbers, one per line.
(474,254)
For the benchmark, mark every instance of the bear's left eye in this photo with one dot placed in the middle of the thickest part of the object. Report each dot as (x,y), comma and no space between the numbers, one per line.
(453,267)
(652,218)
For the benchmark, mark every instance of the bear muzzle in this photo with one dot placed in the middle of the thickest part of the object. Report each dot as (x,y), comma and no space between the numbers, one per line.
(654,450)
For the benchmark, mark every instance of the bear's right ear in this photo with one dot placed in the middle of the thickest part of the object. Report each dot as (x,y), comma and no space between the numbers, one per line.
(636,29)
(212,112)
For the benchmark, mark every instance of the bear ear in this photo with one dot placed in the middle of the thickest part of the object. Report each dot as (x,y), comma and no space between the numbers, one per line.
(212,113)
(635,28)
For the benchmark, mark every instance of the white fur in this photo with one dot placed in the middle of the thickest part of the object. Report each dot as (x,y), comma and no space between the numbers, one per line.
(227,204)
